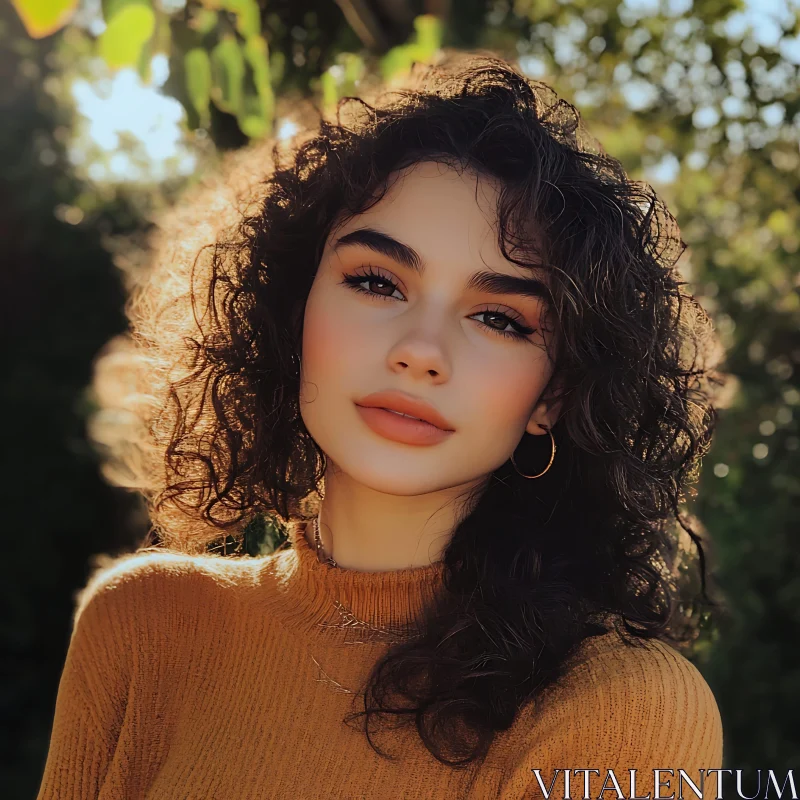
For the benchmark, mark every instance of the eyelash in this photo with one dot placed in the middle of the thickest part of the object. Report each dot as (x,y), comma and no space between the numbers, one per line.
(354,281)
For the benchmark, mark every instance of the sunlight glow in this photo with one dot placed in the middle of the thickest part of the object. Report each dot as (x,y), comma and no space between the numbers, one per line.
(286,129)
(128,130)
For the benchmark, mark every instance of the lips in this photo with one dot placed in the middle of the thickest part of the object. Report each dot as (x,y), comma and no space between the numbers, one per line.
(406,404)
(399,428)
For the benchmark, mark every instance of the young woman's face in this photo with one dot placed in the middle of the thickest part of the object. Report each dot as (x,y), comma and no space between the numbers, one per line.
(424,332)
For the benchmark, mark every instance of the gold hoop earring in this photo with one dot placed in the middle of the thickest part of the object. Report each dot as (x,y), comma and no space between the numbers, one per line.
(549,463)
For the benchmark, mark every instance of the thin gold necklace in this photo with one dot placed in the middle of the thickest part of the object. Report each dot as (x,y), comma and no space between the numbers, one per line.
(323,559)
(349,619)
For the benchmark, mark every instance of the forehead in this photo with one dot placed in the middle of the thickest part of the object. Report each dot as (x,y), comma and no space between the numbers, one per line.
(444,213)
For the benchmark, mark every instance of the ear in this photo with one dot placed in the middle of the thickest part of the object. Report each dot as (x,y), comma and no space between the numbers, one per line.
(547,410)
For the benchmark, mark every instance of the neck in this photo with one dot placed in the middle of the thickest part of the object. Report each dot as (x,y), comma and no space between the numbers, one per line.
(371,531)
(346,606)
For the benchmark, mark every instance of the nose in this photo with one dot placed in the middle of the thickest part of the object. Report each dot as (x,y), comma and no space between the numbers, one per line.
(421,357)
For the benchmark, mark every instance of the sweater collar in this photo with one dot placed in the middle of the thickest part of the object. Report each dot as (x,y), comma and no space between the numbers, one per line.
(346,605)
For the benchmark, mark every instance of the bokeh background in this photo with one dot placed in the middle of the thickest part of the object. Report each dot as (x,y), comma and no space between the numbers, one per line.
(110,111)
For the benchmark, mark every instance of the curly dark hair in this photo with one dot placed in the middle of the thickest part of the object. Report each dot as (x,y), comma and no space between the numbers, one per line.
(595,540)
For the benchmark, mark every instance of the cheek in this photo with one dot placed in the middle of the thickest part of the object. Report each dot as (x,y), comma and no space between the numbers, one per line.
(319,341)
(507,388)
(325,330)
(333,345)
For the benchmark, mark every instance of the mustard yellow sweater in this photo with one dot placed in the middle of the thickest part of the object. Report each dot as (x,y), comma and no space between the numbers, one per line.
(205,677)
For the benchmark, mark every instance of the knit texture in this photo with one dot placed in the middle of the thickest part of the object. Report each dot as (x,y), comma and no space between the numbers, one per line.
(208,677)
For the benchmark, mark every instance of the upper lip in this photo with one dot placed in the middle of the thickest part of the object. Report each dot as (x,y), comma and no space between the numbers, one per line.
(406,404)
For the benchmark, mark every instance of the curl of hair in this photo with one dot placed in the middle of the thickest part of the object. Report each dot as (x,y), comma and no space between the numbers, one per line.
(199,403)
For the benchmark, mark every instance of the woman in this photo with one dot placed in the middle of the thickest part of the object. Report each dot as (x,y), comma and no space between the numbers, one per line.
(455,322)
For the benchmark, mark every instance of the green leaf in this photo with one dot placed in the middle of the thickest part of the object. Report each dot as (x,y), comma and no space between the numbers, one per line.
(126,33)
(254,126)
(204,20)
(341,79)
(263,534)
(330,92)
(248,18)
(248,14)
(429,34)
(256,52)
(354,69)
(426,43)
(228,70)
(110,7)
(197,66)
(43,17)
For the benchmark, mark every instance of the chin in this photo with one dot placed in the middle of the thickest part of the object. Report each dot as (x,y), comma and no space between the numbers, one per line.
(392,474)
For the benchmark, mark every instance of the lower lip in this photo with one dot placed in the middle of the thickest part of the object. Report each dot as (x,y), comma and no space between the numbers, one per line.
(401,429)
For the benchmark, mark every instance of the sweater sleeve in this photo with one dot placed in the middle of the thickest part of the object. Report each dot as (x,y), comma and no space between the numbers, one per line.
(630,708)
(92,697)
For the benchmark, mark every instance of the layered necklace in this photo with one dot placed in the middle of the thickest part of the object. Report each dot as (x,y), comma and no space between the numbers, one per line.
(349,620)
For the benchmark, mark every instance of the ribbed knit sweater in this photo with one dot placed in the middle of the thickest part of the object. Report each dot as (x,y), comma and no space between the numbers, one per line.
(208,677)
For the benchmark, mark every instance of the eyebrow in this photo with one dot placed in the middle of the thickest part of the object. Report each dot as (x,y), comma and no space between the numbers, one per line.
(491,282)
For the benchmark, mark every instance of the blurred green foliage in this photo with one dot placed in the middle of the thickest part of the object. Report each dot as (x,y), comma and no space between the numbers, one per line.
(687,96)
(223,47)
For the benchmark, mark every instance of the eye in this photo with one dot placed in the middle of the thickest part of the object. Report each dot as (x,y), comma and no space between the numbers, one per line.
(519,330)
(369,276)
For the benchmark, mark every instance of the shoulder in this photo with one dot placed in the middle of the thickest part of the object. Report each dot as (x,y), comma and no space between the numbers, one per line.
(646,682)
(138,608)
(117,580)
(642,672)
(139,589)
(642,705)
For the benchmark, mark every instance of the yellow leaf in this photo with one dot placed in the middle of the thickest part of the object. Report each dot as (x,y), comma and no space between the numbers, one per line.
(43,17)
